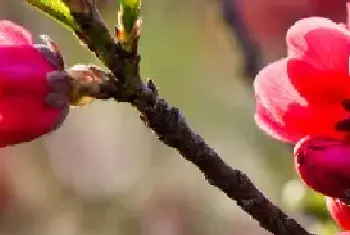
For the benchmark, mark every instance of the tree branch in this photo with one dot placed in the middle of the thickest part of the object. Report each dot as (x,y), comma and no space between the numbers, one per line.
(170,126)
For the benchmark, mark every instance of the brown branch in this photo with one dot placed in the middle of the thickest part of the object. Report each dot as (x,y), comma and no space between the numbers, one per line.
(170,126)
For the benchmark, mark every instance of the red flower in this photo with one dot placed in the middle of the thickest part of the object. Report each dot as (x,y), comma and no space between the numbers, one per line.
(340,212)
(323,164)
(26,110)
(303,94)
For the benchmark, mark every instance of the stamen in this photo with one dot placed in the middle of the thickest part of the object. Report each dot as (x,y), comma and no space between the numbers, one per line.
(346,104)
(343,125)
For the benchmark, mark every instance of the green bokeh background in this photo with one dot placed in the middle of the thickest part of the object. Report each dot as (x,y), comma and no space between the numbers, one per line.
(103,172)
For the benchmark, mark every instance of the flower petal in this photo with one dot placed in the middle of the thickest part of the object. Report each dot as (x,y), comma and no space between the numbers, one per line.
(319,85)
(316,119)
(23,118)
(13,34)
(274,94)
(284,114)
(320,42)
(340,212)
(265,121)
(275,91)
(23,69)
(319,66)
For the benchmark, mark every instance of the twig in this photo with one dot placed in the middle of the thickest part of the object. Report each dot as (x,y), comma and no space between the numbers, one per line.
(171,127)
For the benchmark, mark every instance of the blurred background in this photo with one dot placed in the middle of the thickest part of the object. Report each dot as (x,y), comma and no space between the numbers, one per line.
(103,172)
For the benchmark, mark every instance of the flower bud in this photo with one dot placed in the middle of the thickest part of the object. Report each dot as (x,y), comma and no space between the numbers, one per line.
(29,106)
(324,165)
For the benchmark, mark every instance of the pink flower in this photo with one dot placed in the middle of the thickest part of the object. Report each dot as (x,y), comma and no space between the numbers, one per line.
(340,212)
(27,110)
(304,93)
(323,164)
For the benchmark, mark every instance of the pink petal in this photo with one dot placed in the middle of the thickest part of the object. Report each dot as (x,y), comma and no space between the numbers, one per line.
(320,42)
(277,130)
(23,118)
(275,94)
(275,91)
(23,69)
(319,85)
(13,34)
(320,68)
(340,213)
(317,120)
(287,116)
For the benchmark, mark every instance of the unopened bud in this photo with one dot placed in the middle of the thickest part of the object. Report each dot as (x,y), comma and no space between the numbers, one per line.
(324,165)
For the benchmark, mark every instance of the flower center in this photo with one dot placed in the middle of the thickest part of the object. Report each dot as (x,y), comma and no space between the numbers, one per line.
(344,125)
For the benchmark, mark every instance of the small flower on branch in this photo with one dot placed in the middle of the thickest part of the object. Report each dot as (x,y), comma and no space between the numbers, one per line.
(304,99)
